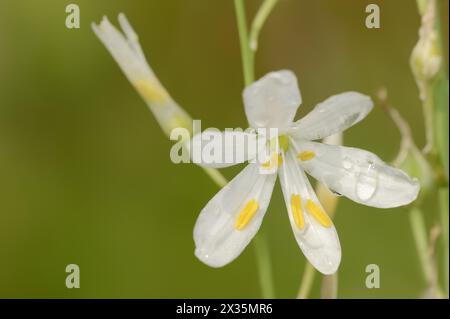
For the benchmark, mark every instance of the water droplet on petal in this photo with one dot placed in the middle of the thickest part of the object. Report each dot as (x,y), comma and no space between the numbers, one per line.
(367,182)
(347,164)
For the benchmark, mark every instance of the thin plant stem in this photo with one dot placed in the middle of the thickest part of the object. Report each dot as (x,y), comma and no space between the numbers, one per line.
(329,288)
(428,123)
(246,54)
(259,242)
(443,203)
(441,108)
(421,241)
(216,176)
(307,281)
(259,21)
(265,267)
(433,88)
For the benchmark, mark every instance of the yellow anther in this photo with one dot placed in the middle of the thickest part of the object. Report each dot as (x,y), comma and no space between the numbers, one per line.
(317,212)
(296,205)
(246,214)
(306,155)
(275,160)
(151,91)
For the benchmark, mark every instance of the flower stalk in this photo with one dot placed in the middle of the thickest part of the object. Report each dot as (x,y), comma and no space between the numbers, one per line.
(246,53)
(258,22)
(414,161)
(248,66)
(421,240)
(307,281)
(427,64)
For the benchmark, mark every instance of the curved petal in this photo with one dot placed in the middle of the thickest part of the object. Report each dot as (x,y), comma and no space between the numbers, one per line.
(216,149)
(124,48)
(335,114)
(273,100)
(232,217)
(127,52)
(313,229)
(357,174)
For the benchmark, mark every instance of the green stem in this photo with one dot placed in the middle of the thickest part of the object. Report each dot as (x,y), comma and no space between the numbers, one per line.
(421,241)
(435,97)
(259,21)
(428,123)
(247,56)
(260,244)
(443,203)
(307,281)
(441,99)
(439,95)
(264,265)
(329,288)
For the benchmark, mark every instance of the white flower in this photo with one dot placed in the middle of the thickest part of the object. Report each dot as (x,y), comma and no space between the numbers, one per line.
(233,216)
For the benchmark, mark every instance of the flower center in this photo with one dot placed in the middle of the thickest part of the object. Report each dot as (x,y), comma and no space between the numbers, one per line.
(276,158)
(283,143)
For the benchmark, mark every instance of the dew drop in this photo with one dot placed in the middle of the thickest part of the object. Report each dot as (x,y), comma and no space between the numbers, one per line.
(347,164)
(367,182)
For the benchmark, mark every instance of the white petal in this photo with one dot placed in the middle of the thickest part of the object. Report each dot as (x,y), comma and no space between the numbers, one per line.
(359,175)
(127,52)
(272,101)
(217,240)
(335,114)
(319,244)
(213,148)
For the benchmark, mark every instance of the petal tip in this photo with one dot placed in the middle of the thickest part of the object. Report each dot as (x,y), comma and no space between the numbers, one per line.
(207,259)
(415,190)
(330,265)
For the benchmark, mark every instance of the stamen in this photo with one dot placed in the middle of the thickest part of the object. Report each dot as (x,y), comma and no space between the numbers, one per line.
(150,91)
(246,214)
(275,160)
(306,155)
(317,212)
(279,143)
(296,205)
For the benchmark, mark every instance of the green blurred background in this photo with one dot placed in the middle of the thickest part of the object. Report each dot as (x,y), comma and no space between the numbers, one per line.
(85,174)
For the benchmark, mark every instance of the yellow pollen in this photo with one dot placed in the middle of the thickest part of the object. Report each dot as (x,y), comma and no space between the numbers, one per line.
(275,160)
(306,155)
(151,91)
(296,205)
(317,212)
(246,214)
